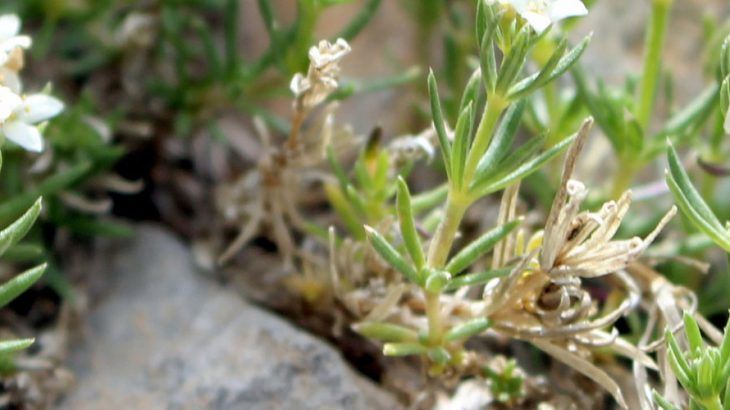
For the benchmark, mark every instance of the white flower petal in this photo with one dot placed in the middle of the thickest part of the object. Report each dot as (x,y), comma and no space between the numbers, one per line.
(539,22)
(9,102)
(12,43)
(27,136)
(40,107)
(11,79)
(727,122)
(561,9)
(9,26)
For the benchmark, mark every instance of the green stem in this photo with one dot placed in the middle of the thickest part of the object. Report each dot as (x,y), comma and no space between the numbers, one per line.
(433,313)
(438,252)
(496,104)
(441,243)
(652,60)
(623,178)
(712,403)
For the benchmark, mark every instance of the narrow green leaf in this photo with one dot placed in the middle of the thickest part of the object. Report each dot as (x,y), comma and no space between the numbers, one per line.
(344,210)
(403,349)
(19,284)
(477,278)
(695,113)
(408,224)
(438,122)
(513,62)
(386,332)
(470,253)
(685,184)
(23,253)
(522,170)
(677,360)
(487,60)
(50,185)
(468,329)
(12,346)
(18,229)
(691,213)
(662,402)
(462,142)
(538,79)
(429,199)
(439,355)
(693,333)
(391,255)
(471,91)
(532,83)
(725,346)
(360,21)
(502,140)
(337,169)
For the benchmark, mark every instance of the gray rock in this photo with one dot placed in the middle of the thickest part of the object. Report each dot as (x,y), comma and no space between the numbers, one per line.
(166,338)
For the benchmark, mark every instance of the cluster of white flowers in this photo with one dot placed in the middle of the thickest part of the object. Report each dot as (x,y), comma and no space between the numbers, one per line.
(322,76)
(20,114)
(540,14)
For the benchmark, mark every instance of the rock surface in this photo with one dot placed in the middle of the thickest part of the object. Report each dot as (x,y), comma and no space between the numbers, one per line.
(166,338)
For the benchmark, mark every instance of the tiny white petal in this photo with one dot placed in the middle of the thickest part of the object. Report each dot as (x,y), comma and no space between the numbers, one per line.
(9,26)
(15,42)
(561,9)
(727,122)
(10,79)
(40,107)
(538,21)
(27,136)
(9,102)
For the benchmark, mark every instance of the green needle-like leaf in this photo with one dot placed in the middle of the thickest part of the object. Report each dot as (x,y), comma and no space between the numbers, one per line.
(693,333)
(18,229)
(468,329)
(408,224)
(521,171)
(19,284)
(502,140)
(470,253)
(12,346)
(391,255)
(691,203)
(552,70)
(386,332)
(477,278)
(462,142)
(438,122)
(403,349)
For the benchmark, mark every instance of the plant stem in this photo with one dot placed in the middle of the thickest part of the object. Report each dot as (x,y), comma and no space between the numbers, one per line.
(438,252)
(441,243)
(496,104)
(712,403)
(433,313)
(652,60)
(623,177)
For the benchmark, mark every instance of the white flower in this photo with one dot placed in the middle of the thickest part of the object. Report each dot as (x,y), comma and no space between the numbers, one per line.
(540,14)
(727,122)
(10,39)
(19,116)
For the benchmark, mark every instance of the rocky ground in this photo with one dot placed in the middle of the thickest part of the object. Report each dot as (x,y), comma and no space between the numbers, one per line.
(165,337)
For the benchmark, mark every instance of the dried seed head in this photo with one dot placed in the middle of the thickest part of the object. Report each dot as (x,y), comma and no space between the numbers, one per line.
(322,77)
